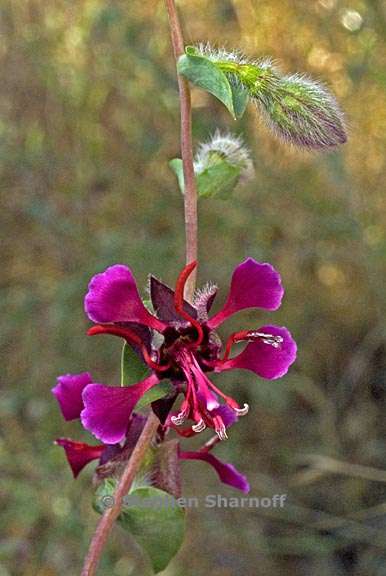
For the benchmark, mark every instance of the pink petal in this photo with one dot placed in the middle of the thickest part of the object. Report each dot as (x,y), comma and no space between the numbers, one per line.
(227,473)
(113,297)
(79,454)
(108,408)
(253,285)
(68,393)
(263,359)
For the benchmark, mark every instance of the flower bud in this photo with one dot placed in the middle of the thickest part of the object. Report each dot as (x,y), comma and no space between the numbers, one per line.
(298,109)
(304,113)
(228,148)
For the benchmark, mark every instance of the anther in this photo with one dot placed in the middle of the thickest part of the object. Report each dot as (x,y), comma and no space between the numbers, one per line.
(270,339)
(178,420)
(251,336)
(199,427)
(242,411)
(220,428)
(221,433)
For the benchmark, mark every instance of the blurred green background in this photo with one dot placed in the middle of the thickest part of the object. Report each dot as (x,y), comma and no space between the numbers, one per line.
(89,119)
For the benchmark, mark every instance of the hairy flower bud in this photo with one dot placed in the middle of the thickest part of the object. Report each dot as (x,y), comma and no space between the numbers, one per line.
(305,113)
(228,148)
(298,109)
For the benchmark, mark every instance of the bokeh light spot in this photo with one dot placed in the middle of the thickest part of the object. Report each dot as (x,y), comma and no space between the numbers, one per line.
(352,20)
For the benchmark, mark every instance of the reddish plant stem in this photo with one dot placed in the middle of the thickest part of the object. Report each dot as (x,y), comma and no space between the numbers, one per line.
(106,523)
(190,196)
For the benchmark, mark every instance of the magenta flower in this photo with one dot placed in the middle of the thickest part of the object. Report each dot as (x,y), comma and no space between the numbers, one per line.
(186,350)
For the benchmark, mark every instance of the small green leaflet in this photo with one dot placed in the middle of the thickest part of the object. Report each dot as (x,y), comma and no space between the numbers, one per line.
(158,391)
(219,179)
(152,516)
(177,167)
(240,99)
(132,367)
(204,73)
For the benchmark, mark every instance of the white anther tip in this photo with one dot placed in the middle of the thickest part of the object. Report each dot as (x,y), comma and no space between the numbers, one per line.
(221,433)
(199,427)
(270,339)
(242,411)
(178,420)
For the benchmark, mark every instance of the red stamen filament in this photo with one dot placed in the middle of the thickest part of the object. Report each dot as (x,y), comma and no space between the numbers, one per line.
(250,336)
(192,394)
(233,338)
(179,300)
(228,399)
(191,397)
(132,338)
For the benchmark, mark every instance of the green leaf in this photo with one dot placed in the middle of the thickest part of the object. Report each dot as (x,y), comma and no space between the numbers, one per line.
(219,179)
(132,367)
(158,529)
(205,74)
(152,516)
(104,495)
(240,99)
(159,391)
(176,166)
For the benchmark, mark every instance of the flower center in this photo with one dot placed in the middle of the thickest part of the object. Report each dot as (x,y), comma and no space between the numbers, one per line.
(180,339)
